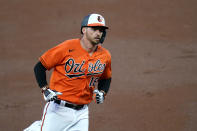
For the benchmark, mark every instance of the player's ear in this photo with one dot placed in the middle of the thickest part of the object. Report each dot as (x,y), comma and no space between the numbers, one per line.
(83,30)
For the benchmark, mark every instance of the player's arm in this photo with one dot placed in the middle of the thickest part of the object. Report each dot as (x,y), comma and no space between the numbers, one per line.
(40,74)
(104,85)
(105,80)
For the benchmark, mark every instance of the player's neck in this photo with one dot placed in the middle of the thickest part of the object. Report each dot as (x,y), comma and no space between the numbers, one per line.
(88,46)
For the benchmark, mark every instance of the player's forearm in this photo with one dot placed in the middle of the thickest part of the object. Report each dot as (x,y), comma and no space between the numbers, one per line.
(104,85)
(40,74)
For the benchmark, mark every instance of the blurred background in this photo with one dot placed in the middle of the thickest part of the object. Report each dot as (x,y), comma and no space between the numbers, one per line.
(154,58)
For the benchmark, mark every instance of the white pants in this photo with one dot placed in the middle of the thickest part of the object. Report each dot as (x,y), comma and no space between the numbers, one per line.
(36,126)
(61,118)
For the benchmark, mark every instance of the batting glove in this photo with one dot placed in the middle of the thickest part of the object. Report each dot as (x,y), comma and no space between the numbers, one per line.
(50,95)
(99,96)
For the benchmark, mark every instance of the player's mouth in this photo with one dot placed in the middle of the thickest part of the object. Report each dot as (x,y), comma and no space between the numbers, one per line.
(97,38)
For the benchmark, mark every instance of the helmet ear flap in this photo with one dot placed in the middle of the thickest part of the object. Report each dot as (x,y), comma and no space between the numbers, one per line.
(103,36)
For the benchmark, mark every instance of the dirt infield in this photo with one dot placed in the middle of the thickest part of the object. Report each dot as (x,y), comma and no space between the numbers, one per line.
(154,58)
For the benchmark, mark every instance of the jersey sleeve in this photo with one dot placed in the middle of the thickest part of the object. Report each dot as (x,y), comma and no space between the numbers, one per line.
(107,72)
(53,56)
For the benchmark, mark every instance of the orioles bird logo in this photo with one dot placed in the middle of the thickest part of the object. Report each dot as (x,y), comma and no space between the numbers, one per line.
(99,19)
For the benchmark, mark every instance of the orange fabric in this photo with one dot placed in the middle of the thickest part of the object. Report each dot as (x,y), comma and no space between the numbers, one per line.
(96,24)
(76,73)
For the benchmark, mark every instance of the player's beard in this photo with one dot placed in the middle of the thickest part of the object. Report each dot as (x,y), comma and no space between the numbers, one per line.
(95,41)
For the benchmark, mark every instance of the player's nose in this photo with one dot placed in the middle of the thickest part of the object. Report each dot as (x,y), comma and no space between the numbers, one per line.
(98,32)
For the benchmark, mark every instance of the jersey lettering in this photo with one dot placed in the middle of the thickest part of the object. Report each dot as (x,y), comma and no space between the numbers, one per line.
(70,65)
(96,68)
(74,69)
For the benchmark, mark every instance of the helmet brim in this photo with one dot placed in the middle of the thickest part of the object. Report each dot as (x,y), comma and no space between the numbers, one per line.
(105,27)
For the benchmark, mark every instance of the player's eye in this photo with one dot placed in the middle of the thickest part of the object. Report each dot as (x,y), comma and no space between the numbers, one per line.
(98,28)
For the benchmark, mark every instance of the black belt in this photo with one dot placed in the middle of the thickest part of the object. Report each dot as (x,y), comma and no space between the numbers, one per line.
(73,106)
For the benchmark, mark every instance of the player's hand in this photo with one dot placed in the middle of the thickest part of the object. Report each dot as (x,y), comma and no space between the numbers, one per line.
(99,96)
(50,95)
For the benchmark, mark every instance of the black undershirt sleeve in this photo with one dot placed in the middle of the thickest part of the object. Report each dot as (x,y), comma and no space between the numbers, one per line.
(40,74)
(104,84)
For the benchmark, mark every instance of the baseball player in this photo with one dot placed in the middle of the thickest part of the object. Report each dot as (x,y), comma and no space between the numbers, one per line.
(81,70)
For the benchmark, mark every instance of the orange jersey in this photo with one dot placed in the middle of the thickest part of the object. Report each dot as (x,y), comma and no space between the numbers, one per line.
(76,73)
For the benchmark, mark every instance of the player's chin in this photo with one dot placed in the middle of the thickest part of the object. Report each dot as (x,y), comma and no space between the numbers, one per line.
(96,41)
